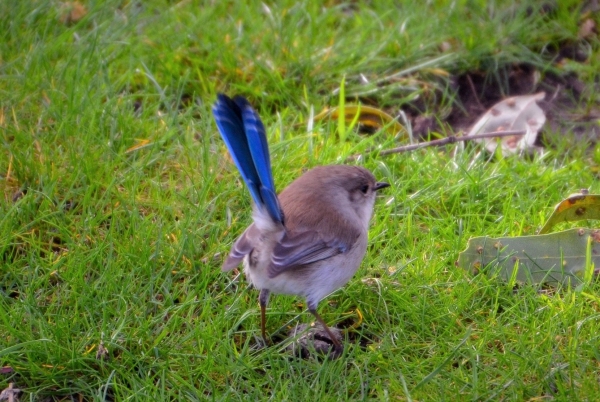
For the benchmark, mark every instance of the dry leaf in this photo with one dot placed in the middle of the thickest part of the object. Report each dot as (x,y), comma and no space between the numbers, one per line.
(576,207)
(6,370)
(518,113)
(72,12)
(445,46)
(368,116)
(102,353)
(10,394)
(141,143)
(587,29)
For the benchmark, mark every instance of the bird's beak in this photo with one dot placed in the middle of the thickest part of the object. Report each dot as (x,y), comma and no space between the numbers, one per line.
(380,185)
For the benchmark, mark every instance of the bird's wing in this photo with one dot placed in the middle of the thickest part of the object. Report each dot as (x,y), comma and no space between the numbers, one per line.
(244,134)
(299,249)
(242,247)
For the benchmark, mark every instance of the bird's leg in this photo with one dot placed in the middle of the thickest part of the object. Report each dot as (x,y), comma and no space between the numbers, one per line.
(263,299)
(337,346)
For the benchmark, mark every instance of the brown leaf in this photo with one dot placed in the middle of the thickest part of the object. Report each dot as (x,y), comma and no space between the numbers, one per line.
(6,370)
(587,29)
(72,12)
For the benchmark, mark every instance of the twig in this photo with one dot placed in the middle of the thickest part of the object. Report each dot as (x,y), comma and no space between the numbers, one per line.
(436,143)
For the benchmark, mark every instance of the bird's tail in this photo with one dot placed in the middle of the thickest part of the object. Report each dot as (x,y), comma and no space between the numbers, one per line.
(244,134)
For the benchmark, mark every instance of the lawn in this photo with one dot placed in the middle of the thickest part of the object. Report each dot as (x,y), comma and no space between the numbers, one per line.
(118,200)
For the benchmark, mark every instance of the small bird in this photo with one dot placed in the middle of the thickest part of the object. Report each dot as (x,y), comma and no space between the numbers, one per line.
(309,240)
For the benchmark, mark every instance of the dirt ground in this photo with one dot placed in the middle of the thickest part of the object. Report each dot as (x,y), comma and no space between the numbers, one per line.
(572,107)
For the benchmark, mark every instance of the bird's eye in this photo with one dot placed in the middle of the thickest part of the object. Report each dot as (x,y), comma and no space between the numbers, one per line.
(364,189)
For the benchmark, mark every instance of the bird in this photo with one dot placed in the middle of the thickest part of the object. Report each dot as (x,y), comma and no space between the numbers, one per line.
(310,239)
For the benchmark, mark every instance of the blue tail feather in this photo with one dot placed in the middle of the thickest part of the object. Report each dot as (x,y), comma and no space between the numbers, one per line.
(257,141)
(244,134)
(229,121)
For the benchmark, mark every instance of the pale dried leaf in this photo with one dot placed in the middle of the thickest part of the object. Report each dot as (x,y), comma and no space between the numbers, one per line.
(10,394)
(587,29)
(517,113)
(102,353)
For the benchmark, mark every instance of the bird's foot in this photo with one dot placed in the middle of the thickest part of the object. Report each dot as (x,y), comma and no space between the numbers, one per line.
(259,343)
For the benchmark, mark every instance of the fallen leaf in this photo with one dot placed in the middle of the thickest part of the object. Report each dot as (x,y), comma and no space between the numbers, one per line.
(368,116)
(142,143)
(72,12)
(517,113)
(102,353)
(6,370)
(566,257)
(309,338)
(587,29)
(10,394)
(445,46)
(575,207)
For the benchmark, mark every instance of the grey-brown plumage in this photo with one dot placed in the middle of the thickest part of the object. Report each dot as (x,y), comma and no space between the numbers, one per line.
(309,240)
(327,212)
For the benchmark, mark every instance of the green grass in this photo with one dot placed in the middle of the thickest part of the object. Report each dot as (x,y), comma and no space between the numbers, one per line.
(113,243)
